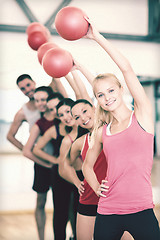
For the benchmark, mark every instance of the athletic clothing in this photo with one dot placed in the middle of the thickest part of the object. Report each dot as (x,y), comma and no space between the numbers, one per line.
(88,201)
(46,178)
(42,175)
(128,205)
(89,197)
(129,155)
(56,143)
(65,196)
(44,124)
(142,226)
(62,191)
(42,179)
(31,115)
(87,210)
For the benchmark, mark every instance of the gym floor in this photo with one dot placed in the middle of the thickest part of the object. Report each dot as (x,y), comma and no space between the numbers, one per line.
(18,199)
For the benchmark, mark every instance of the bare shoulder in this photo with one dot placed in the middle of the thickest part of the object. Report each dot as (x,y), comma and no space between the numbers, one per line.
(51,132)
(20,116)
(78,143)
(99,134)
(35,129)
(66,140)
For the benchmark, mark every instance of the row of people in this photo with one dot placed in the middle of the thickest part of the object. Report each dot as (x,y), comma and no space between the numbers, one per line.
(111,156)
(40,118)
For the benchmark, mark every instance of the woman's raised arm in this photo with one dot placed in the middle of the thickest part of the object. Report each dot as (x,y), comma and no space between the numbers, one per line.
(142,105)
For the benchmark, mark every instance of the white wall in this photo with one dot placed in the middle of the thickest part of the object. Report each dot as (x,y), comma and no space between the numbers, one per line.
(115,16)
(19,58)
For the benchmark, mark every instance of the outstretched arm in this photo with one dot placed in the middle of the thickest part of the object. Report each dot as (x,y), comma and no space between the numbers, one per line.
(27,149)
(79,83)
(142,105)
(57,86)
(73,85)
(89,76)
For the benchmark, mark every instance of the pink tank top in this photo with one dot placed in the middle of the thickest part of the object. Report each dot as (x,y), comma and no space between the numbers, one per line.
(130,157)
(89,197)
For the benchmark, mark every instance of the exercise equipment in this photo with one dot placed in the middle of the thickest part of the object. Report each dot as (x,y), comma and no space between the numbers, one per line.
(57,62)
(36,27)
(43,49)
(70,23)
(36,39)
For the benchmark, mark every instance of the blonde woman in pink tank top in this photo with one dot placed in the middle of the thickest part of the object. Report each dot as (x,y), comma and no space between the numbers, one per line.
(126,202)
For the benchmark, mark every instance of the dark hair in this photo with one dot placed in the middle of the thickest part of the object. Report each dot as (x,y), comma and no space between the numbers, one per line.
(81,101)
(44,89)
(55,95)
(22,77)
(82,131)
(65,101)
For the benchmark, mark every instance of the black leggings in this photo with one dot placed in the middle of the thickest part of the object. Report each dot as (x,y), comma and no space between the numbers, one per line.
(142,226)
(62,192)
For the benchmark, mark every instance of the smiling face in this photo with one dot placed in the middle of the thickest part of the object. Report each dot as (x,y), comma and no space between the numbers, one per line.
(41,100)
(51,105)
(27,86)
(64,114)
(84,115)
(108,93)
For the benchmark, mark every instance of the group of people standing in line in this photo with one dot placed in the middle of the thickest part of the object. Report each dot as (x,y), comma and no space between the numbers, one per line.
(97,160)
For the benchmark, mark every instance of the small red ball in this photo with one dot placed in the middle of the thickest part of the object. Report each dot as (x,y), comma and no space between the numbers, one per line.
(36,39)
(43,49)
(37,27)
(70,23)
(57,62)
(34,27)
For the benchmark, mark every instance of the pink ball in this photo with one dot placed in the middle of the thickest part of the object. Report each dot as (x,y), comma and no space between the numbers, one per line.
(43,49)
(37,27)
(34,27)
(36,39)
(70,23)
(57,62)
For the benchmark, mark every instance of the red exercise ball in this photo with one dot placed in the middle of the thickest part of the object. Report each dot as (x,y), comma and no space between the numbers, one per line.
(36,39)
(70,23)
(34,27)
(43,49)
(57,62)
(37,27)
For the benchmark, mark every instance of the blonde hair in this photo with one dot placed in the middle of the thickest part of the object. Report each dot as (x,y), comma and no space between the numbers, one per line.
(107,76)
(102,116)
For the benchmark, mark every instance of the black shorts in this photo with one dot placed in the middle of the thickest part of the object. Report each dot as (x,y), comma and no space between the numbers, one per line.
(87,210)
(42,179)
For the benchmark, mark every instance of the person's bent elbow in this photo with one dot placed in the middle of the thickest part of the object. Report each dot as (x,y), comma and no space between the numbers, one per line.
(35,150)
(61,170)
(25,152)
(9,137)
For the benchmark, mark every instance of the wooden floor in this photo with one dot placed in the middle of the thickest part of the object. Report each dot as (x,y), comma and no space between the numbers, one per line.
(20,225)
